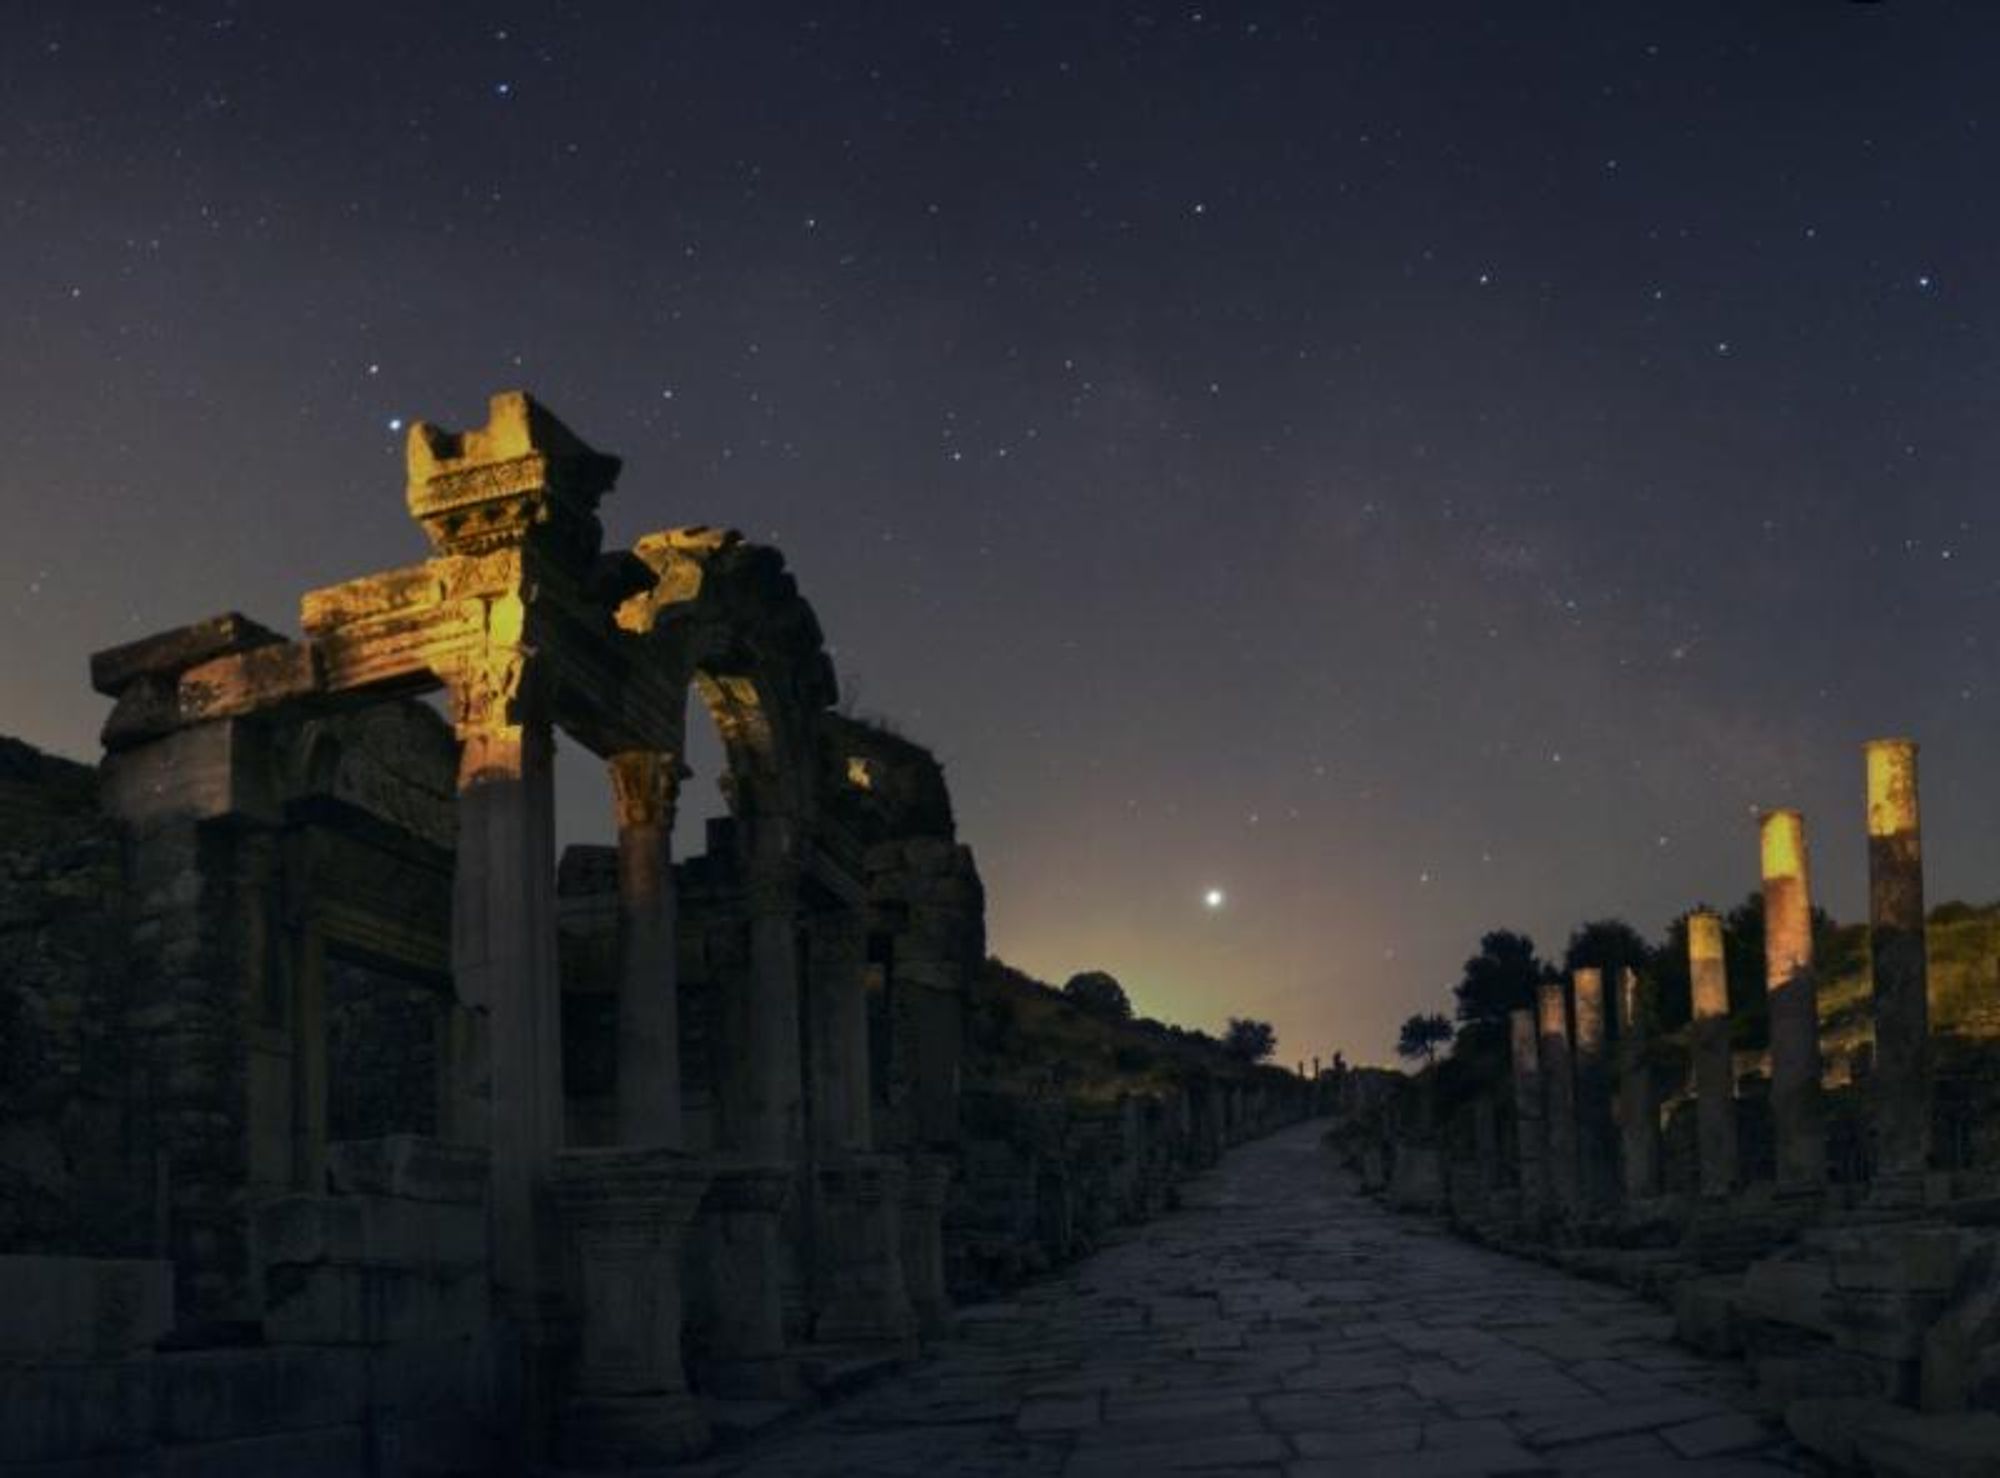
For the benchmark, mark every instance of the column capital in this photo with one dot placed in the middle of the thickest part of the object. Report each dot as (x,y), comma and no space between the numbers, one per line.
(646,786)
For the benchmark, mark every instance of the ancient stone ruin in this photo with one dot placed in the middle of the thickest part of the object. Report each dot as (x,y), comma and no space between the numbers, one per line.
(1827,1207)
(343,1131)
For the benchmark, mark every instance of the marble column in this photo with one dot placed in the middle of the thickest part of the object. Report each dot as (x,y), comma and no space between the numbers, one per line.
(1530,1132)
(644,786)
(1597,1152)
(1901,970)
(627,1212)
(1639,1108)
(1797,1121)
(1559,1085)
(504,967)
(1714,1062)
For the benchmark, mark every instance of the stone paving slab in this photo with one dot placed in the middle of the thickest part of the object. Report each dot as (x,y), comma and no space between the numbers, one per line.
(1280,1324)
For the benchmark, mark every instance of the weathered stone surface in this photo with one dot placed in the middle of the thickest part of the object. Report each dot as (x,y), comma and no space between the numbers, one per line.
(55,1411)
(68,1308)
(410,1166)
(370,1229)
(1283,1323)
(331,1304)
(208,1395)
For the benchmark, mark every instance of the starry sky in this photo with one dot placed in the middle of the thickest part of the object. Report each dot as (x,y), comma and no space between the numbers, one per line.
(1414,468)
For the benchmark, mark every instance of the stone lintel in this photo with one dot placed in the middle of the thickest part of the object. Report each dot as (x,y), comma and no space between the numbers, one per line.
(167,654)
(412,587)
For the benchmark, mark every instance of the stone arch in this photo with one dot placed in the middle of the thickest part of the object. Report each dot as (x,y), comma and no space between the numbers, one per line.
(728,622)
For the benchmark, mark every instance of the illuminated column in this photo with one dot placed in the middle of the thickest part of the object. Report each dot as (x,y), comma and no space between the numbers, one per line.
(1900,967)
(1596,1152)
(1714,1067)
(1788,978)
(1639,1109)
(644,787)
(504,965)
(1559,1081)
(1531,1139)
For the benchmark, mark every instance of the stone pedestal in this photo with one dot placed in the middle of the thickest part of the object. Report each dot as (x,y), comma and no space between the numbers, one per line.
(626,1212)
(862,1298)
(1788,976)
(1901,971)
(1559,1095)
(742,1282)
(1714,1068)
(923,1242)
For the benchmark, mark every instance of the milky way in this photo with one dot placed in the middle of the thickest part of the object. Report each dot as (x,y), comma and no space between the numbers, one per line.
(1415,468)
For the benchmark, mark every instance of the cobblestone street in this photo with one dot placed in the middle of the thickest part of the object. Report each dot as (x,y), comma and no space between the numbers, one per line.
(1280,1324)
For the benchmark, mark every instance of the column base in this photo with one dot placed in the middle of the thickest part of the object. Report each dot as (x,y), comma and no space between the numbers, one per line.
(864,1301)
(923,1243)
(738,1240)
(627,1213)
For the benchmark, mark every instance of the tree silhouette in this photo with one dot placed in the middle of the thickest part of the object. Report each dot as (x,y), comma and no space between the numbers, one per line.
(1253,1041)
(1422,1035)
(1100,994)
(1501,978)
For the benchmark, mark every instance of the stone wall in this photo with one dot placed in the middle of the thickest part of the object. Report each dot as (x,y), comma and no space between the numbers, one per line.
(73,1177)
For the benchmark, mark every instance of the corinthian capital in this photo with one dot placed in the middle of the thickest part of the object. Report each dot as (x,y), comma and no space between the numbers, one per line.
(646,786)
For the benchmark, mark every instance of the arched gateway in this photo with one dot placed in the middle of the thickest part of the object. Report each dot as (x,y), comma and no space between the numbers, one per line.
(780,1063)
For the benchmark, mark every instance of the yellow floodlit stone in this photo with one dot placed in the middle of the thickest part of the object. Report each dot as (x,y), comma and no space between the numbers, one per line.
(1784,844)
(1892,786)
(1704,935)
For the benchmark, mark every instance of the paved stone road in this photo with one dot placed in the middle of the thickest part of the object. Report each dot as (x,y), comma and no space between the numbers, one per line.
(1281,1324)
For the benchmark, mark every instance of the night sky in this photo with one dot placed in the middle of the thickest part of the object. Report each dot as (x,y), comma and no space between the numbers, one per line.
(1416,468)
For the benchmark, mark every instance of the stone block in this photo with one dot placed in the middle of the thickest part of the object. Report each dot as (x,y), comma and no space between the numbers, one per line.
(328,1452)
(1893,1259)
(212,1395)
(1890,1326)
(329,1304)
(1910,1445)
(1705,1314)
(1792,1291)
(83,1307)
(370,1229)
(1783,1379)
(50,1412)
(410,1166)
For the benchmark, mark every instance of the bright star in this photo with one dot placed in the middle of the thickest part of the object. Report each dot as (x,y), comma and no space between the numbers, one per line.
(1214,898)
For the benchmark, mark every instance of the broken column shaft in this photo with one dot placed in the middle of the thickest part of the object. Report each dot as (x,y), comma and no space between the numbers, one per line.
(1794,1000)
(1639,1109)
(1596,1146)
(1559,1085)
(1900,967)
(1531,1141)
(1714,1067)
